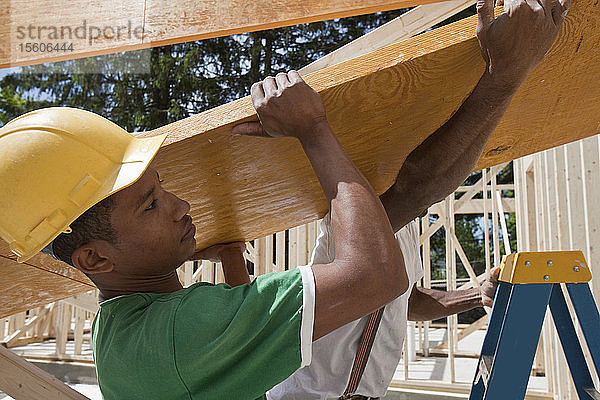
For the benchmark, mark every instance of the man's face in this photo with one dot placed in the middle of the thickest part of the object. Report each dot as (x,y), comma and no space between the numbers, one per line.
(155,232)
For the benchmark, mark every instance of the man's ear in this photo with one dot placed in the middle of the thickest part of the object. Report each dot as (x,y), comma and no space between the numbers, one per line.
(93,257)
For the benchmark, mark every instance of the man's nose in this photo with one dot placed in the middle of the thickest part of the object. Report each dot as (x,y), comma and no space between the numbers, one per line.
(180,207)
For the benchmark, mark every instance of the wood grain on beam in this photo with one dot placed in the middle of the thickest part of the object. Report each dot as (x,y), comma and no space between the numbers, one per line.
(381,106)
(21,379)
(40,281)
(138,24)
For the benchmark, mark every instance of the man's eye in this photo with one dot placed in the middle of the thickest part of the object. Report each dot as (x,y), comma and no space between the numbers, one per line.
(151,206)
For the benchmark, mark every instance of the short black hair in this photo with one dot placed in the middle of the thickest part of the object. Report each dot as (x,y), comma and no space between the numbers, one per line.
(94,224)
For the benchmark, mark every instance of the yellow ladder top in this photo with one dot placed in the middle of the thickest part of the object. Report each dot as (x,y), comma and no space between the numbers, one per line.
(545,267)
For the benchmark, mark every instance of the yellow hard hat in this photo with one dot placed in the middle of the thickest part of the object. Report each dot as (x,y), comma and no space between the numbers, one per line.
(56,163)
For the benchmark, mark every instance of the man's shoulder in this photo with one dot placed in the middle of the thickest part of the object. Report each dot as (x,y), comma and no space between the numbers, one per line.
(142,299)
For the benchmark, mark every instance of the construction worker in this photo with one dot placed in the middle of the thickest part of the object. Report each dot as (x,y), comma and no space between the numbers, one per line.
(81,189)
(512,45)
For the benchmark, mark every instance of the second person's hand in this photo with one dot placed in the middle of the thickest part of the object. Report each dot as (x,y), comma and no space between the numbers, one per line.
(518,39)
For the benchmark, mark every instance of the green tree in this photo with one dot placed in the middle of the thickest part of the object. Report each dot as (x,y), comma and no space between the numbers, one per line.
(182,79)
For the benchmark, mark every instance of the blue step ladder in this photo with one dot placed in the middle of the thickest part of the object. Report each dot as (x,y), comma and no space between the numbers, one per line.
(529,283)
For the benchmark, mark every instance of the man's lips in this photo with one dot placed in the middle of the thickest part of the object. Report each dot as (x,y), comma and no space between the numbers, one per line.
(190,233)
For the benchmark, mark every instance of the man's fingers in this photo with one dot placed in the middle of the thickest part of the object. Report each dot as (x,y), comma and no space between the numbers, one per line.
(257,92)
(282,80)
(495,272)
(269,86)
(560,11)
(248,129)
(294,76)
(485,14)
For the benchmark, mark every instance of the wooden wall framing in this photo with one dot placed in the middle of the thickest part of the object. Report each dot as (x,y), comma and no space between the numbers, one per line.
(557,193)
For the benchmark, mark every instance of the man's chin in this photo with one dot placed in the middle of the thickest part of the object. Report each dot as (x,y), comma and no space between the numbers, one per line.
(190,249)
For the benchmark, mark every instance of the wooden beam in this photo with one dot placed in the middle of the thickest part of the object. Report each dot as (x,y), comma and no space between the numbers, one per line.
(110,26)
(475,206)
(381,106)
(26,286)
(409,24)
(22,380)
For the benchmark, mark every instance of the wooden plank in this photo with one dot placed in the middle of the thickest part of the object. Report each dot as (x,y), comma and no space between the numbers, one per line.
(269,254)
(23,380)
(426,252)
(44,262)
(401,28)
(78,332)
(302,246)
(260,266)
(40,281)
(24,287)
(551,193)
(451,320)
(562,214)
(113,26)
(486,225)
(293,248)
(63,325)
(208,271)
(495,233)
(505,238)
(476,206)
(280,251)
(368,99)
(591,159)
(575,197)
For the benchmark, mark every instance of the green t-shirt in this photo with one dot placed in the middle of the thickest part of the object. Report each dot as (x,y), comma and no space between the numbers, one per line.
(203,342)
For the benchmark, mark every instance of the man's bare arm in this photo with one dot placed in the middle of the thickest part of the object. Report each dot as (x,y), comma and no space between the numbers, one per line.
(368,270)
(234,268)
(429,304)
(512,45)
(231,257)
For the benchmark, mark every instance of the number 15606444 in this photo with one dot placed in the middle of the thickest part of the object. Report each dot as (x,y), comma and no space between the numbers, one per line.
(35,47)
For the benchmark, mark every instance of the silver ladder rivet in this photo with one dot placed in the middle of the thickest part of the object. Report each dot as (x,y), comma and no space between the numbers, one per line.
(527,263)
(546,277)
(549,263)
(576,268)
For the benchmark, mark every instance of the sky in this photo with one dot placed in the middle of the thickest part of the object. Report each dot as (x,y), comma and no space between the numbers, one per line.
(6,71)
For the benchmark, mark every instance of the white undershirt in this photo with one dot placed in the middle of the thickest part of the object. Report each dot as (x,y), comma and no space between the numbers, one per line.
(333,355)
